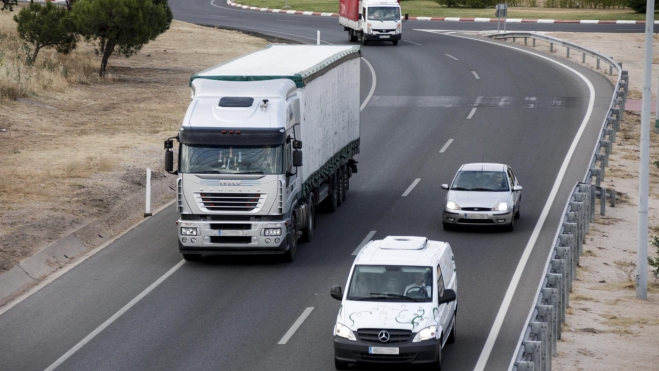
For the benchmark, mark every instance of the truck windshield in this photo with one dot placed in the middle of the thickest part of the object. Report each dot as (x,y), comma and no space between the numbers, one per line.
(391,283)
(383,13)
(231,159)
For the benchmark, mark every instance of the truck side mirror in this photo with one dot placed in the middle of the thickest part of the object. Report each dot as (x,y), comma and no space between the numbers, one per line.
(169,161)
(297,144)
(336,292)
(297,158)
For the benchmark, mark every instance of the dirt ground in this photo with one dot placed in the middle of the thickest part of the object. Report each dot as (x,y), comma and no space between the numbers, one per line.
(64,166)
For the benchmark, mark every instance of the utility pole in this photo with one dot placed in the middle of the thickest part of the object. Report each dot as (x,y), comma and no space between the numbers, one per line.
(644,170)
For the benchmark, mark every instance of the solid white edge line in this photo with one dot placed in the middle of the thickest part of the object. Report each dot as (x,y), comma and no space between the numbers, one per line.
(109,321)
(375,81)
(450,56)
(295,326)
(498,322)
(364,242)
(448,143)
(475,75)
(471,114)
(411,187)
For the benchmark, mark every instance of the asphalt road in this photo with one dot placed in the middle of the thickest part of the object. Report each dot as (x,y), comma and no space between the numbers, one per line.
(231,313)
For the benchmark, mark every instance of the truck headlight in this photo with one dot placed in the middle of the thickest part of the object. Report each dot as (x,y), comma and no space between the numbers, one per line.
(369,28)
(272,231)
(398,27)
(501,206)
(186,231)
(452,205)
(344,332)
(425,334)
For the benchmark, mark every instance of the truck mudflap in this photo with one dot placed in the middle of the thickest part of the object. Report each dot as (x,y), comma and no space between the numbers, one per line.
(319,176)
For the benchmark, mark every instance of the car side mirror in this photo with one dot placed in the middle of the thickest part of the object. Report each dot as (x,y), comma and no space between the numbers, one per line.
(449,296)
(517,188)
(297,158)
(336,292)
(444,186)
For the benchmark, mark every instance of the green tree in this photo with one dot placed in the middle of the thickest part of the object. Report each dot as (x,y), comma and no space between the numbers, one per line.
(9,4)
(639,6)
(46,26)
(123,26)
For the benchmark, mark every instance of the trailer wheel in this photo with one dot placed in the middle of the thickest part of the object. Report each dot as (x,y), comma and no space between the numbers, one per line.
(289,256)
(331,202)
(341,187)
(307,236)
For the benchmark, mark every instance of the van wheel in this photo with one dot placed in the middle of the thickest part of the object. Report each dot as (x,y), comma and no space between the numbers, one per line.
(437,365)
(395,42)
(453,334)
(517,214)
(289,256)
(307,234)
(340,365)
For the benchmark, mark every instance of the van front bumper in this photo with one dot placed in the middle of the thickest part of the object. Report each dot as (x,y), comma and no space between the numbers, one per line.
(382,37)
(423,352)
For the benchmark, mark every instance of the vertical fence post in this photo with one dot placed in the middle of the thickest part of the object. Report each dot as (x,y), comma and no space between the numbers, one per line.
(147,209)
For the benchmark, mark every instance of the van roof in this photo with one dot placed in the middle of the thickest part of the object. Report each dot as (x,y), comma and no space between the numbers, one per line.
(399,250)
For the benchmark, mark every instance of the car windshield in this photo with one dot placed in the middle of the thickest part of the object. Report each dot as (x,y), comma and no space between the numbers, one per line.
(231,159)
(480,181)
(383,13)
(391,283)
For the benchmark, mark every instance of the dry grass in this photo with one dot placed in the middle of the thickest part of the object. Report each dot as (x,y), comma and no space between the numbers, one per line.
(614,320)
(580,297)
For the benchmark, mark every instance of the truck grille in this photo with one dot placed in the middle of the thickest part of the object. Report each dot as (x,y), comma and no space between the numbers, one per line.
(231,239)
(230,201)
(395,336)
(234,227)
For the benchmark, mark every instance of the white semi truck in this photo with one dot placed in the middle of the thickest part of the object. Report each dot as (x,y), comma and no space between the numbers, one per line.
(372,20)
(243,187)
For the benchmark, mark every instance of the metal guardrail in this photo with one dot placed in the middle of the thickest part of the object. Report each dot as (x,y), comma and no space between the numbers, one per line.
(543,326)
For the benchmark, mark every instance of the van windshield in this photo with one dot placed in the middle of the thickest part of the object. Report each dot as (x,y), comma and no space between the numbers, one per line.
(391,283)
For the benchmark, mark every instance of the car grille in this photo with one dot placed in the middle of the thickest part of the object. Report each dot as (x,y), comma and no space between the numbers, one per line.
(230,201)
(365,357)
(395,336)
(231,239)
(476,209)
(476,221)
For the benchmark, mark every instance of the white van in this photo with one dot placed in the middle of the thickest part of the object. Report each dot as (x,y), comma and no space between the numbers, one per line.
(400,304)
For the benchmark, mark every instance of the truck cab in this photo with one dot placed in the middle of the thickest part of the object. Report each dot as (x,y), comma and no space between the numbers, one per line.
(372,20)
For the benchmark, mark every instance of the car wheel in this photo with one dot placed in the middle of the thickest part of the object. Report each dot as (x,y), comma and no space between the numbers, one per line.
(511,226)
(289,256)
(447,226)
(453,334)
(191,257)
(395,42)
(340,365)
(307,234)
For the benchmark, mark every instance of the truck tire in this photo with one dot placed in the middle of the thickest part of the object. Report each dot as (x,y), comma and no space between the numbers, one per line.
(341,187)
(331,202)
(289,255)
(351,36)
(363,39)
(307,233)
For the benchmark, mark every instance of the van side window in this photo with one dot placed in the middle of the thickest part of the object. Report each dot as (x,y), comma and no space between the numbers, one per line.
(440,282)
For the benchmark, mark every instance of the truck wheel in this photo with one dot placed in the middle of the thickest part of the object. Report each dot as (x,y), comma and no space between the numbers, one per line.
(395,42)
(307,234)
(191,257)
(346,182)
(341,188)
(331,202)
(289,256)
(363,39)
(351,36)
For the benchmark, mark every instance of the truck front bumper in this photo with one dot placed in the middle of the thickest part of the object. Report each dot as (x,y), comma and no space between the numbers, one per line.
(232,238)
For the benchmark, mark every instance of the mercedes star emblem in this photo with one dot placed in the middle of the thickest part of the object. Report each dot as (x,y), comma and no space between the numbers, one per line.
(383,336)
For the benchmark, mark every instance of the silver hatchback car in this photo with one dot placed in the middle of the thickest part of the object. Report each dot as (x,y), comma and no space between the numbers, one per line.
(482,194)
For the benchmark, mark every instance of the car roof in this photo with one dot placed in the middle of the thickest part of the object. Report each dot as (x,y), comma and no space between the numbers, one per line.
(402,250)
(483,166)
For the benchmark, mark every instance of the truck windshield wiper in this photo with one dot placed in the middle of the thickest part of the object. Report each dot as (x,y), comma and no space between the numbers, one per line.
(250,172)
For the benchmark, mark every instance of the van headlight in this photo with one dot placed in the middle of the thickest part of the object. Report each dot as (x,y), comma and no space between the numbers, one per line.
(425,334)
(501,206)
(185,231)
(452,205)
(344,332)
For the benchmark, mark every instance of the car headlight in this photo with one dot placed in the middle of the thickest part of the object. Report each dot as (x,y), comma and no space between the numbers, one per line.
(186,231)
(501,206)
(344,332)
(425,334)
(272,231)
(451,205)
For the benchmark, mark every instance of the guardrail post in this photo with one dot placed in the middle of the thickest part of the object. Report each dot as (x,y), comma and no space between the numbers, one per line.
(602,201)
(596,172)
(549,318)
(612,198)
(568,240)
(568,52)
(524,366)
(541,332)
(612,130)
(573,218)
(586,193)
(616,123)
(610,70)
(551,297)
(601,157)
(525,39)
(556,282)
(533,348)
(534,42)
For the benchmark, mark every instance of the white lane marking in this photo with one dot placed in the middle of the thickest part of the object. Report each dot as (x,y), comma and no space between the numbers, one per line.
(446,145)
(364,242)
(471,114)
(450,56)
(411,187)
(514,282)
(295,326)
(375,81)
(284,20)
(411,42)
(475,75)
(109,321)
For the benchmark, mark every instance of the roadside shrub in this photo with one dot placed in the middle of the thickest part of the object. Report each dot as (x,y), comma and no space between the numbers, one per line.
(654,262)
(480,3)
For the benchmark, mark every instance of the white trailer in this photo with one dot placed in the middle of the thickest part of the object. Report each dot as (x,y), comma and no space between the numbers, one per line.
(243,186)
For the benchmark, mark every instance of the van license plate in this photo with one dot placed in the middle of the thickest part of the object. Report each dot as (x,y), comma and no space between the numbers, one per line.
(385,37)
(382,350)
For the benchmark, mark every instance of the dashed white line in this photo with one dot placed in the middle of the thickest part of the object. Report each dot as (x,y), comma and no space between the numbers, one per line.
(475,75)
(411,187)
(411,42)
(446,145)
(471,114)
(295,326)
(450,56)
(364,242)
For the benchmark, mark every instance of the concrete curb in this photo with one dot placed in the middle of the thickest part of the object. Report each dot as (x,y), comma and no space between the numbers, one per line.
(444,19)
(103,230)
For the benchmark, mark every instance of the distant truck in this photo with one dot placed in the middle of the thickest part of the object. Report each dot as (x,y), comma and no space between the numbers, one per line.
(243,187)
(372,20)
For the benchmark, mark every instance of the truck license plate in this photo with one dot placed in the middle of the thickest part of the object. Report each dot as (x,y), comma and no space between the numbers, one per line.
(384,36)
(382,350)
(229,233)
